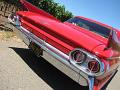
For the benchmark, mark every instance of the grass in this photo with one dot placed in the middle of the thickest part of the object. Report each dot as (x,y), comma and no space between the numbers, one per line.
(9,34)
(6,31)
(6,34)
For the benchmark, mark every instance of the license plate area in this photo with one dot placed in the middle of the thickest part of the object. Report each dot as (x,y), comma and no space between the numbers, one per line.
(36,49)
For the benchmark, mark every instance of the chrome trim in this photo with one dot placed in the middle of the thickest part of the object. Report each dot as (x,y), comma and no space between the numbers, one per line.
(91,83)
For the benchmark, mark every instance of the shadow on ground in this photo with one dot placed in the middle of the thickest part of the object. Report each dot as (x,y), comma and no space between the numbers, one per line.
(52,76)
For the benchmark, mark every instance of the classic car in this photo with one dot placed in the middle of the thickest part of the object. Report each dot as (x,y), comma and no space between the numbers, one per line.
(88,51)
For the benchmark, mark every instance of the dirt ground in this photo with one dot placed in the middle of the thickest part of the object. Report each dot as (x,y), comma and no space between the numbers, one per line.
(20,69)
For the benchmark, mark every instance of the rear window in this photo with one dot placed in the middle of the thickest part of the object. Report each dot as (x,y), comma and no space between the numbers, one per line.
(103,31)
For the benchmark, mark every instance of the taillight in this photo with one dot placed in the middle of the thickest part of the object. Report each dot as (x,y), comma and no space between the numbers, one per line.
(94,66)
(78,56)
(86,62)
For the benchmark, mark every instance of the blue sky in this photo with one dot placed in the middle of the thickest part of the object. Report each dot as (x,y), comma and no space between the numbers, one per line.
(105,11)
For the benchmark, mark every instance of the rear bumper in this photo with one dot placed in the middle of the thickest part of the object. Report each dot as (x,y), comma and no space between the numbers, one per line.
(60,61)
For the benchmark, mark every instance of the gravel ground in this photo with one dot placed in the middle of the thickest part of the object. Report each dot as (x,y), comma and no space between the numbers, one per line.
(15,74)
(20,69)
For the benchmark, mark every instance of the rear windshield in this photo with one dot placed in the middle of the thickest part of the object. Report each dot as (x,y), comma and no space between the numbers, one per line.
(103,31)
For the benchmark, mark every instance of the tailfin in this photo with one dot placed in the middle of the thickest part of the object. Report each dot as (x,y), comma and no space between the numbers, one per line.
(29,7)
(113,41)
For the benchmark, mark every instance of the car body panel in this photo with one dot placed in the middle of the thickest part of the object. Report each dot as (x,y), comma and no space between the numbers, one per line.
(60,31)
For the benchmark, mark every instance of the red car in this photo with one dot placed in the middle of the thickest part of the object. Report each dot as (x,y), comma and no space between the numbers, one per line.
(87,51)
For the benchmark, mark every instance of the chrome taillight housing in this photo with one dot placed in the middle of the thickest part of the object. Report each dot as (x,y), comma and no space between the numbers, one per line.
(86,62)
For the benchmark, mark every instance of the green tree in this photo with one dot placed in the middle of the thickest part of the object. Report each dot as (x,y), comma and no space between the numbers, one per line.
(34,2)
(49,6)
(55,9)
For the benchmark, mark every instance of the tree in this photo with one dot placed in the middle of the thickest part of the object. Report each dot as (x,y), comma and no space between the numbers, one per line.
(34,2)
(54,9)
(49,6)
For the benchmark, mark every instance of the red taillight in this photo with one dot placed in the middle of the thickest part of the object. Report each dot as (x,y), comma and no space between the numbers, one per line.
(78,56)
(94,66)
